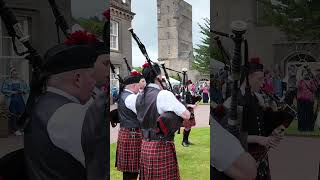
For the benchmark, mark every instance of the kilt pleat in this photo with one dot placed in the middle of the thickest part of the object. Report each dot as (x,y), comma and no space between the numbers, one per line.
(128,150)
(158,161)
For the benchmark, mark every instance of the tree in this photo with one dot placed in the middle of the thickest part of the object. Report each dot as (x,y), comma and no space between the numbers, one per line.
(137,69)
(203,54)
(92,25)
(299,19)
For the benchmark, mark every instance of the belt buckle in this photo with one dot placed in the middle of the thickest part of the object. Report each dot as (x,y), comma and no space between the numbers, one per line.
(132,133)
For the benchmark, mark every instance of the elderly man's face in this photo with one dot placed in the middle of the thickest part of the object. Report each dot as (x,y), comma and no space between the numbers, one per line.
(101,69)
(256,81)
(85,82)
(136,87)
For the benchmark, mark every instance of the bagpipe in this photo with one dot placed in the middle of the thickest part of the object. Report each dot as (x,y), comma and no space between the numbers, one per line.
(228,118)
(168,122)
(238,29)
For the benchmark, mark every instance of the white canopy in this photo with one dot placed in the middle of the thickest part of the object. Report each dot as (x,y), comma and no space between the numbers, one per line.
(172,81)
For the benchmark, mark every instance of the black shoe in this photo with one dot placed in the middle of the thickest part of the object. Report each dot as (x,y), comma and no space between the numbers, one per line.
(189,143)
(184,144)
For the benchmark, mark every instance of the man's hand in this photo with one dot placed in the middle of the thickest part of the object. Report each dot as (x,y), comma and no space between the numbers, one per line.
(270,141)
(279,131)
(193,106)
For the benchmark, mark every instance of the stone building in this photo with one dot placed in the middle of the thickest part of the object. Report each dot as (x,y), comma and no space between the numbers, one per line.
(175,46)
(120,37)
(37,20)
(265,41)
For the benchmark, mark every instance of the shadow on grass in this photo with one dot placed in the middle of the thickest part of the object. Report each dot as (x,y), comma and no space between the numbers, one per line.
(293,131)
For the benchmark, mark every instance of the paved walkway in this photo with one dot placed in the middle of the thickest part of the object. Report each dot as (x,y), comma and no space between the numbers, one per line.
(296,158)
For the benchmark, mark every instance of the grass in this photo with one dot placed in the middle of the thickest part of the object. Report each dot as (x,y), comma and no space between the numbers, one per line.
(194,161)
(293,130)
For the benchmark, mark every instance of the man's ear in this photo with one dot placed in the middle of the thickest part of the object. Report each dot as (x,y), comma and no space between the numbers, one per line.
(76,77)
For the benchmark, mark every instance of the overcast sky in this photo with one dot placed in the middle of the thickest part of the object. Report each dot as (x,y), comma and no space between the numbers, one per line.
(145,26)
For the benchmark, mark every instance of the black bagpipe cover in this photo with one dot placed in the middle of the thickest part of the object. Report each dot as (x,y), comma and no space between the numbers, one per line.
(168,123)
(114,116)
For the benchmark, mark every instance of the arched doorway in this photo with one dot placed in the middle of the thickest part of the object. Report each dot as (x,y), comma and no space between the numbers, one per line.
(295,62)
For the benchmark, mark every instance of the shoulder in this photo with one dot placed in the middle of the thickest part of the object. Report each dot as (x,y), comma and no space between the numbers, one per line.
(165,93)
(131,97)
(71,110)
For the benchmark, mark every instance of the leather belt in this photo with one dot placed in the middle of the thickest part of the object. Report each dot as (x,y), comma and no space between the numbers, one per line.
(131,129)
(151,135)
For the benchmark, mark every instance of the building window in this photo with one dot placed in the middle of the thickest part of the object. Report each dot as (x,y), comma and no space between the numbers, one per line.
(168,8)
(8,57)
(168,22)
(168,35)
(169,50)
(114,35)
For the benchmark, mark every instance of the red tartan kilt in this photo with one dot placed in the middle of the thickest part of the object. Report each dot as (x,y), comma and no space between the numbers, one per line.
(257,151)
(158,161)
(189,123)
(128,150)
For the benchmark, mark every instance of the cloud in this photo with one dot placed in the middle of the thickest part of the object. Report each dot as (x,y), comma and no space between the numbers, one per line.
(139,59)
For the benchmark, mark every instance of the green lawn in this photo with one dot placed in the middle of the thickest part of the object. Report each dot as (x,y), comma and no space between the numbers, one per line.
(194,161)
(293,130)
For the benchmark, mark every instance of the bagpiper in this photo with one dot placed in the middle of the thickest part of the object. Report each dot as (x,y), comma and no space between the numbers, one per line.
(191,100)
(158,154)
(130,136)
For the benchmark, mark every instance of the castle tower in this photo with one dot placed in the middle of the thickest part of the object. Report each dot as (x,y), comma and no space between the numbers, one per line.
(175,33)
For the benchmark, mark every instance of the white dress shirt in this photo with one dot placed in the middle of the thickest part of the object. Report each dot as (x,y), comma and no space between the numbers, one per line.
(130,101)
(65,125)
(166,101)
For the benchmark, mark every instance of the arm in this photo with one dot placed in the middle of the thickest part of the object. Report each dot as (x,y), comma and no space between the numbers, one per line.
(254,139)
(243,168)
(130,102)
(270,141)
(166,102)
(6,89)
(26,88)
(228,155)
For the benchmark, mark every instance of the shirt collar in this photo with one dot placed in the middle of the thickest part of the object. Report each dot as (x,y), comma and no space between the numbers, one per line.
(62,93)
(129,91)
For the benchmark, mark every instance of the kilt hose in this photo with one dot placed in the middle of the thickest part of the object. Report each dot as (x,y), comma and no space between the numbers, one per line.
(128,150)
(189,123)
(158,161)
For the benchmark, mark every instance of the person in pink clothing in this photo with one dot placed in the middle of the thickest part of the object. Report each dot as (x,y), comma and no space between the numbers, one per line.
(205,93)
(306,89)
(268,85)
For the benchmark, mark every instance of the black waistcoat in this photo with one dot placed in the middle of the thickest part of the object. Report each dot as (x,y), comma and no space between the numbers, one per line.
(146,106)
(43,159)
(128,119)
